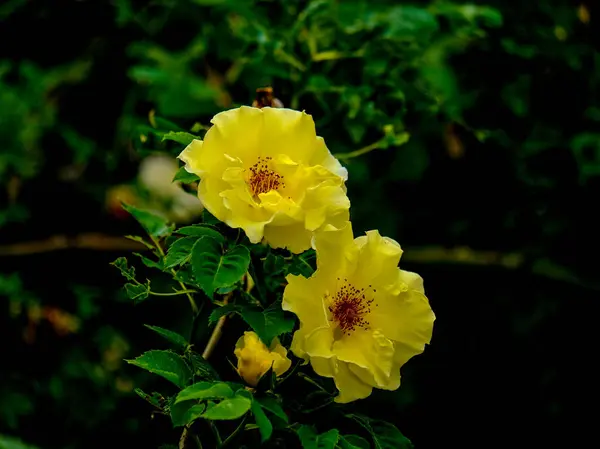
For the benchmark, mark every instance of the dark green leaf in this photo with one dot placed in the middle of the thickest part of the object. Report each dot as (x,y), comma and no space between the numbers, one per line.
(212,269)
(153,224)
(180,137)
(180,251)
(155,398)
(167,364)
(137,292)
(185,176)
(205,390)
(231,408)
(201,231)
(272,405)
(264,424)
(149,262)
(303,264)
(202,369)
(353,442)
(127,271)
(384,434)
(173,337)
(311,440)
(184,413)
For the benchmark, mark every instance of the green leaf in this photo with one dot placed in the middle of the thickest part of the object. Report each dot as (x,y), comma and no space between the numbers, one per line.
(384,434)
(173,337)
(201,231)
(353,442)
(231,408)
(184,413)
(166,364)
(149,262)
(7,442)
(268,323)
(205,390)
(155,398)
(310,440)
(303,264)
(202,369)
(180,137)
(137,292)
(264,424)
(185,176)
(127,271)
(153,224)
(180,251)
(212,269)
(137,238)
(272,405)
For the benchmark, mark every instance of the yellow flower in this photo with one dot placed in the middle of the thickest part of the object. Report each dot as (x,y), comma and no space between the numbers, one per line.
(255,359)
(267,172)
(361,317)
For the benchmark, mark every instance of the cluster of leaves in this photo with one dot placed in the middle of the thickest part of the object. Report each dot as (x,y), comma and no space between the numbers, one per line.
(215,264)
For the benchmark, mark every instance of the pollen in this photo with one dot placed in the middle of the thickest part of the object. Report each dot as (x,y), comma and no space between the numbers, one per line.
(262,179)
(350,308)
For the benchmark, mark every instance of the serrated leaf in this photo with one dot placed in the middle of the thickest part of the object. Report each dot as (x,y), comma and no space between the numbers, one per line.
(137,238)
(166,364)
(384,434)
(303,264)
(149,262)
(262,421)
(311,440)
(153,224)
(202,369)
(137,292)
(155,398)
(173,337)
(180,137)
(185,176)
(201,231)
(231,408)
(212,269)
(123,266)
(204,391)
(179,252)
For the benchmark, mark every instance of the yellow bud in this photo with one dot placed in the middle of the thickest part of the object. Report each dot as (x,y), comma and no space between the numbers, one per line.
(255,359)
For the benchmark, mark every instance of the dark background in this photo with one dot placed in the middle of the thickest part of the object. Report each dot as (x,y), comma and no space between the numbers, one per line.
(494,197)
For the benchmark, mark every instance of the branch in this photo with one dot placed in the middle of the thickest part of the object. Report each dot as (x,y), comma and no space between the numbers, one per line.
(217,332)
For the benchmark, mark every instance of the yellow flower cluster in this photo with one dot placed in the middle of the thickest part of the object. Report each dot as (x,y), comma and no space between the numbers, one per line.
(265,170)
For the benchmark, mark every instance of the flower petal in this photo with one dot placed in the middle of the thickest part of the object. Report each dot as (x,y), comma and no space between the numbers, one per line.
(379,257)
(230,126)
(368,349)
(406,318)
(303,297)
(289,132)
(293,237)
(335,250)
(351,388)
(191,155)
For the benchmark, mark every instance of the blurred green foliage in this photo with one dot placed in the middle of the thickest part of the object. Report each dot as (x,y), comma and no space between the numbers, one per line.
(462,125)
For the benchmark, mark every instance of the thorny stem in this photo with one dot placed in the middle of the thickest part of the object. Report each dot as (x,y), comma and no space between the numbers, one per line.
(162,253)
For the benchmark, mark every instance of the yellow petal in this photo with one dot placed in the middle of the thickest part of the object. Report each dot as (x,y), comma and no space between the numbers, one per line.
(323,202)
(237,132)
(406,317)
(323,366)
(293,237)
(379,257)
(209,191)
(351,388)
(370,350)
(191,156)
(304,298)
(290,132)
(335,249)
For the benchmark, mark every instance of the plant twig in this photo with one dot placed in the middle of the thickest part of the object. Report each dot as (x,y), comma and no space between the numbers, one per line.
(360,152)
(175,293)
(235,433)
(162,254)
(217,331)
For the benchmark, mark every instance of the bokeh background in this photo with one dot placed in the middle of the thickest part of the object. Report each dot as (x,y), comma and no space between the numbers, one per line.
(471,132)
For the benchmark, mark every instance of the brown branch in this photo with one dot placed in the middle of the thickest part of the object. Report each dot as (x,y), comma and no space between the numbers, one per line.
(217,332)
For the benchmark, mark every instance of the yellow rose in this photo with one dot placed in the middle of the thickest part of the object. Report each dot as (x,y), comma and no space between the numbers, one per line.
(266,171)
(255,359)
(361,317)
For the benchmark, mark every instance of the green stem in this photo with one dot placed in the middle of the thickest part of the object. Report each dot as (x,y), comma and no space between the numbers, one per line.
(360,152)
(216,434)
(174,273)
(309,380)
(175,293)
(256,272)
(238,429)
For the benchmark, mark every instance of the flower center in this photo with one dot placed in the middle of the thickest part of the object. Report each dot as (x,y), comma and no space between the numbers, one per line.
(262,179)
(349,308)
